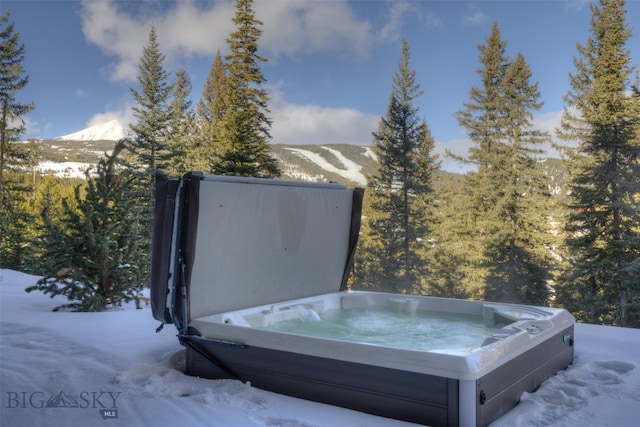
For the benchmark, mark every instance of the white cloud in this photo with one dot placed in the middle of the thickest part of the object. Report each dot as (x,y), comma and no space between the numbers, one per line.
(191,30)
(292,123)
(123,116)
(397,10)
(306,27)
(433,21)
(476,16)
(31,126)
(186,29)
(313,124)
(81,93)
(398,13)
(116,34)
(183,30)
(577,5)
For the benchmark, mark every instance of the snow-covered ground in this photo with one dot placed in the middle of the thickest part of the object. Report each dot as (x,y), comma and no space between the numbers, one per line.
(65,169)
(111,368)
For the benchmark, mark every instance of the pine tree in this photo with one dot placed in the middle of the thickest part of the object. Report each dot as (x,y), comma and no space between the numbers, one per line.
(152,112)
(148,150)
(245,129)
(90,256)
(48,195)
(403,145)
(602,284)
(519,253)
(210,112)
(14,156)
(482,117)
(506,229)
(453,263)
(181,141)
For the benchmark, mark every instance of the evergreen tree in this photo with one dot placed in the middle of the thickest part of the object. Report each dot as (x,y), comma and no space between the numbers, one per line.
(148,149)
(14,156)
(91,255)
(181,141)
(507,230)
(602,284)
(210,112)
(152,111)
(12,80)
(48,195)
(12,249)
(482,117)
(242,146)
(520,252)
(403,145)
(453,264)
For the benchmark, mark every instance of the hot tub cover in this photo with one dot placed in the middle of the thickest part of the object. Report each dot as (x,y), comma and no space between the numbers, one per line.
(224,243)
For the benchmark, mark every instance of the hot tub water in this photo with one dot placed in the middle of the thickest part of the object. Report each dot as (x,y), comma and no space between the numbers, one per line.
(421,330)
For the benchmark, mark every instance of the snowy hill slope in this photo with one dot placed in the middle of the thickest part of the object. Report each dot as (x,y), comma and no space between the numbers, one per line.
(347,164)
(343,163)
(329,159)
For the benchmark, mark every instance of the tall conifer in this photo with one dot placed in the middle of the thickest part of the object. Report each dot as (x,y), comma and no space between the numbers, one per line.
(148,146)
(602,284)
(245,129)
(519,253)
(210,112)
(397,190)
(14,156)
(506,228)
(152,112)
(181,138)
(453,267)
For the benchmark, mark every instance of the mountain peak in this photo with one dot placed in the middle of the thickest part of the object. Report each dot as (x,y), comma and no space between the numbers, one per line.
(107,131)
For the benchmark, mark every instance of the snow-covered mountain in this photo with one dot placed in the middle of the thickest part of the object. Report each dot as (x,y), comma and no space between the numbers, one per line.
(108,131)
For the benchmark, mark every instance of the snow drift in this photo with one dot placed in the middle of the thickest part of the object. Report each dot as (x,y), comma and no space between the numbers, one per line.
(115,361)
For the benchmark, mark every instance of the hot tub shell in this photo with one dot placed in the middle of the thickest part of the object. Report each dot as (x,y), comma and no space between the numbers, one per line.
(231,255)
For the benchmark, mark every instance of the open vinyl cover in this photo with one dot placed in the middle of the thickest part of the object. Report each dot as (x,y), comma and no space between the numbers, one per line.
(225,243)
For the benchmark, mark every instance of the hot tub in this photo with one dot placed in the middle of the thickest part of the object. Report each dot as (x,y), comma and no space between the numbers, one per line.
(253,274)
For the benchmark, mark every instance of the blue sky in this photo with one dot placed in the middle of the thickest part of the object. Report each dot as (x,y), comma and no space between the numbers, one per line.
(330,64)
